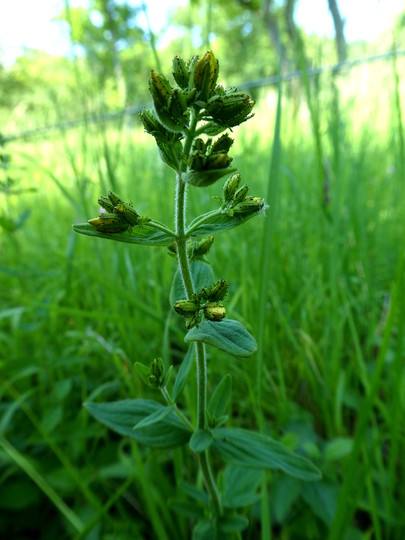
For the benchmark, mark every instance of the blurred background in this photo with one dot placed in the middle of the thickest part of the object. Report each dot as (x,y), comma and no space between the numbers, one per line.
(319,281)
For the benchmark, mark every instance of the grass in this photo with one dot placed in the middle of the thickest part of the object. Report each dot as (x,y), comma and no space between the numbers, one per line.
(320,283)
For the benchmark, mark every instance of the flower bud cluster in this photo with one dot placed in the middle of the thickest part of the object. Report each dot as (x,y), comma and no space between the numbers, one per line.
(196,88)
(209,155)
(156,375)
(171,104)
(117,216)
(229,107)
(207,302)
(195,250)
(235,201)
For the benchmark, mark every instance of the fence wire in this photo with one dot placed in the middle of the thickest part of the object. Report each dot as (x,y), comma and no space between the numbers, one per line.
(258,83)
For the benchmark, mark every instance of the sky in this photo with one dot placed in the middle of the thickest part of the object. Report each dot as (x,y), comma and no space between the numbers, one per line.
(28,23)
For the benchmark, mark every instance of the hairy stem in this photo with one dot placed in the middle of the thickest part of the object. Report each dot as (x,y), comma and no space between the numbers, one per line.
(177,411)
(184,266)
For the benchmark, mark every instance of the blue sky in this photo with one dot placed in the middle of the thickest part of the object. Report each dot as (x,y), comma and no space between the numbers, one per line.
(28,23)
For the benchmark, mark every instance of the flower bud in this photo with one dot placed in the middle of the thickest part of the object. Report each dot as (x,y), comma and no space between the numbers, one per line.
(186,307)
(114,198)
(230,108)
(223,144)
(180,72)
(250,205)
(192,320)
(202,247)
(127,213)
(216,292)
(230,187)
(217,161)
(206,75)
(105,203)
(169,104)
(214,312)
(178,105)
(240,194)
(156,368)
(109,223)
(160,89)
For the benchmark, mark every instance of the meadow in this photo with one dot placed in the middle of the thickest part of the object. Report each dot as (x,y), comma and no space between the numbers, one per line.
(319,281)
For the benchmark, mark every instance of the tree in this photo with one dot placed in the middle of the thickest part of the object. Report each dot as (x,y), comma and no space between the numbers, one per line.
(339,24)
(104,31)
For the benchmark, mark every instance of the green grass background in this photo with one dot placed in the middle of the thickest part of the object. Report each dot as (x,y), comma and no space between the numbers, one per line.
(319,282)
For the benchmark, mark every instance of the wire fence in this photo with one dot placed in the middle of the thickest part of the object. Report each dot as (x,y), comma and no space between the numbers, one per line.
(259,83)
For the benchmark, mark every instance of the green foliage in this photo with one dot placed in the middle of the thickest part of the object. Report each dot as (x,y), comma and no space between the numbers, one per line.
(76,314)
(184,110)
(146,421)
(246,449)
(228,336)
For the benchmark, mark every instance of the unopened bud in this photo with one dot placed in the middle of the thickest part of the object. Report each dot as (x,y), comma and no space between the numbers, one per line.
(216,292)
(156,368)
(231,108)
(192,320)
(240,194)
(114,198)
(160,89)
(217,161)
(214,312)
(127,213)
(180,72)
(109,223)
(250,205)
(206,75)
(202,247)
(230,187)
(186,307)
(223,144)
(178,104)
(105,203)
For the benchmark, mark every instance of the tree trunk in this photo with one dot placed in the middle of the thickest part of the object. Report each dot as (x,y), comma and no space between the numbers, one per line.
(273,29)
(339,23)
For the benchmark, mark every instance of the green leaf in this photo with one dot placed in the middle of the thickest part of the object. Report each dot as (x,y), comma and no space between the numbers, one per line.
(232,524)
(194,493)
(182,374)
(200,440)
(219,401)
(285,491)
(143,372)
(218,222)
(202,274)
(206,178)
(144,235)
(227,335)
(241,486)
(249,449)
(155,417)
(204,530)
(322,497)
(121,416)
(186,508)
(338,449)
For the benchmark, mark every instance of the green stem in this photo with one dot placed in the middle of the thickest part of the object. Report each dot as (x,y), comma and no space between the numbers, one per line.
(201,384)
(184,266)
(161,227)
(182,417)
(201,220)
